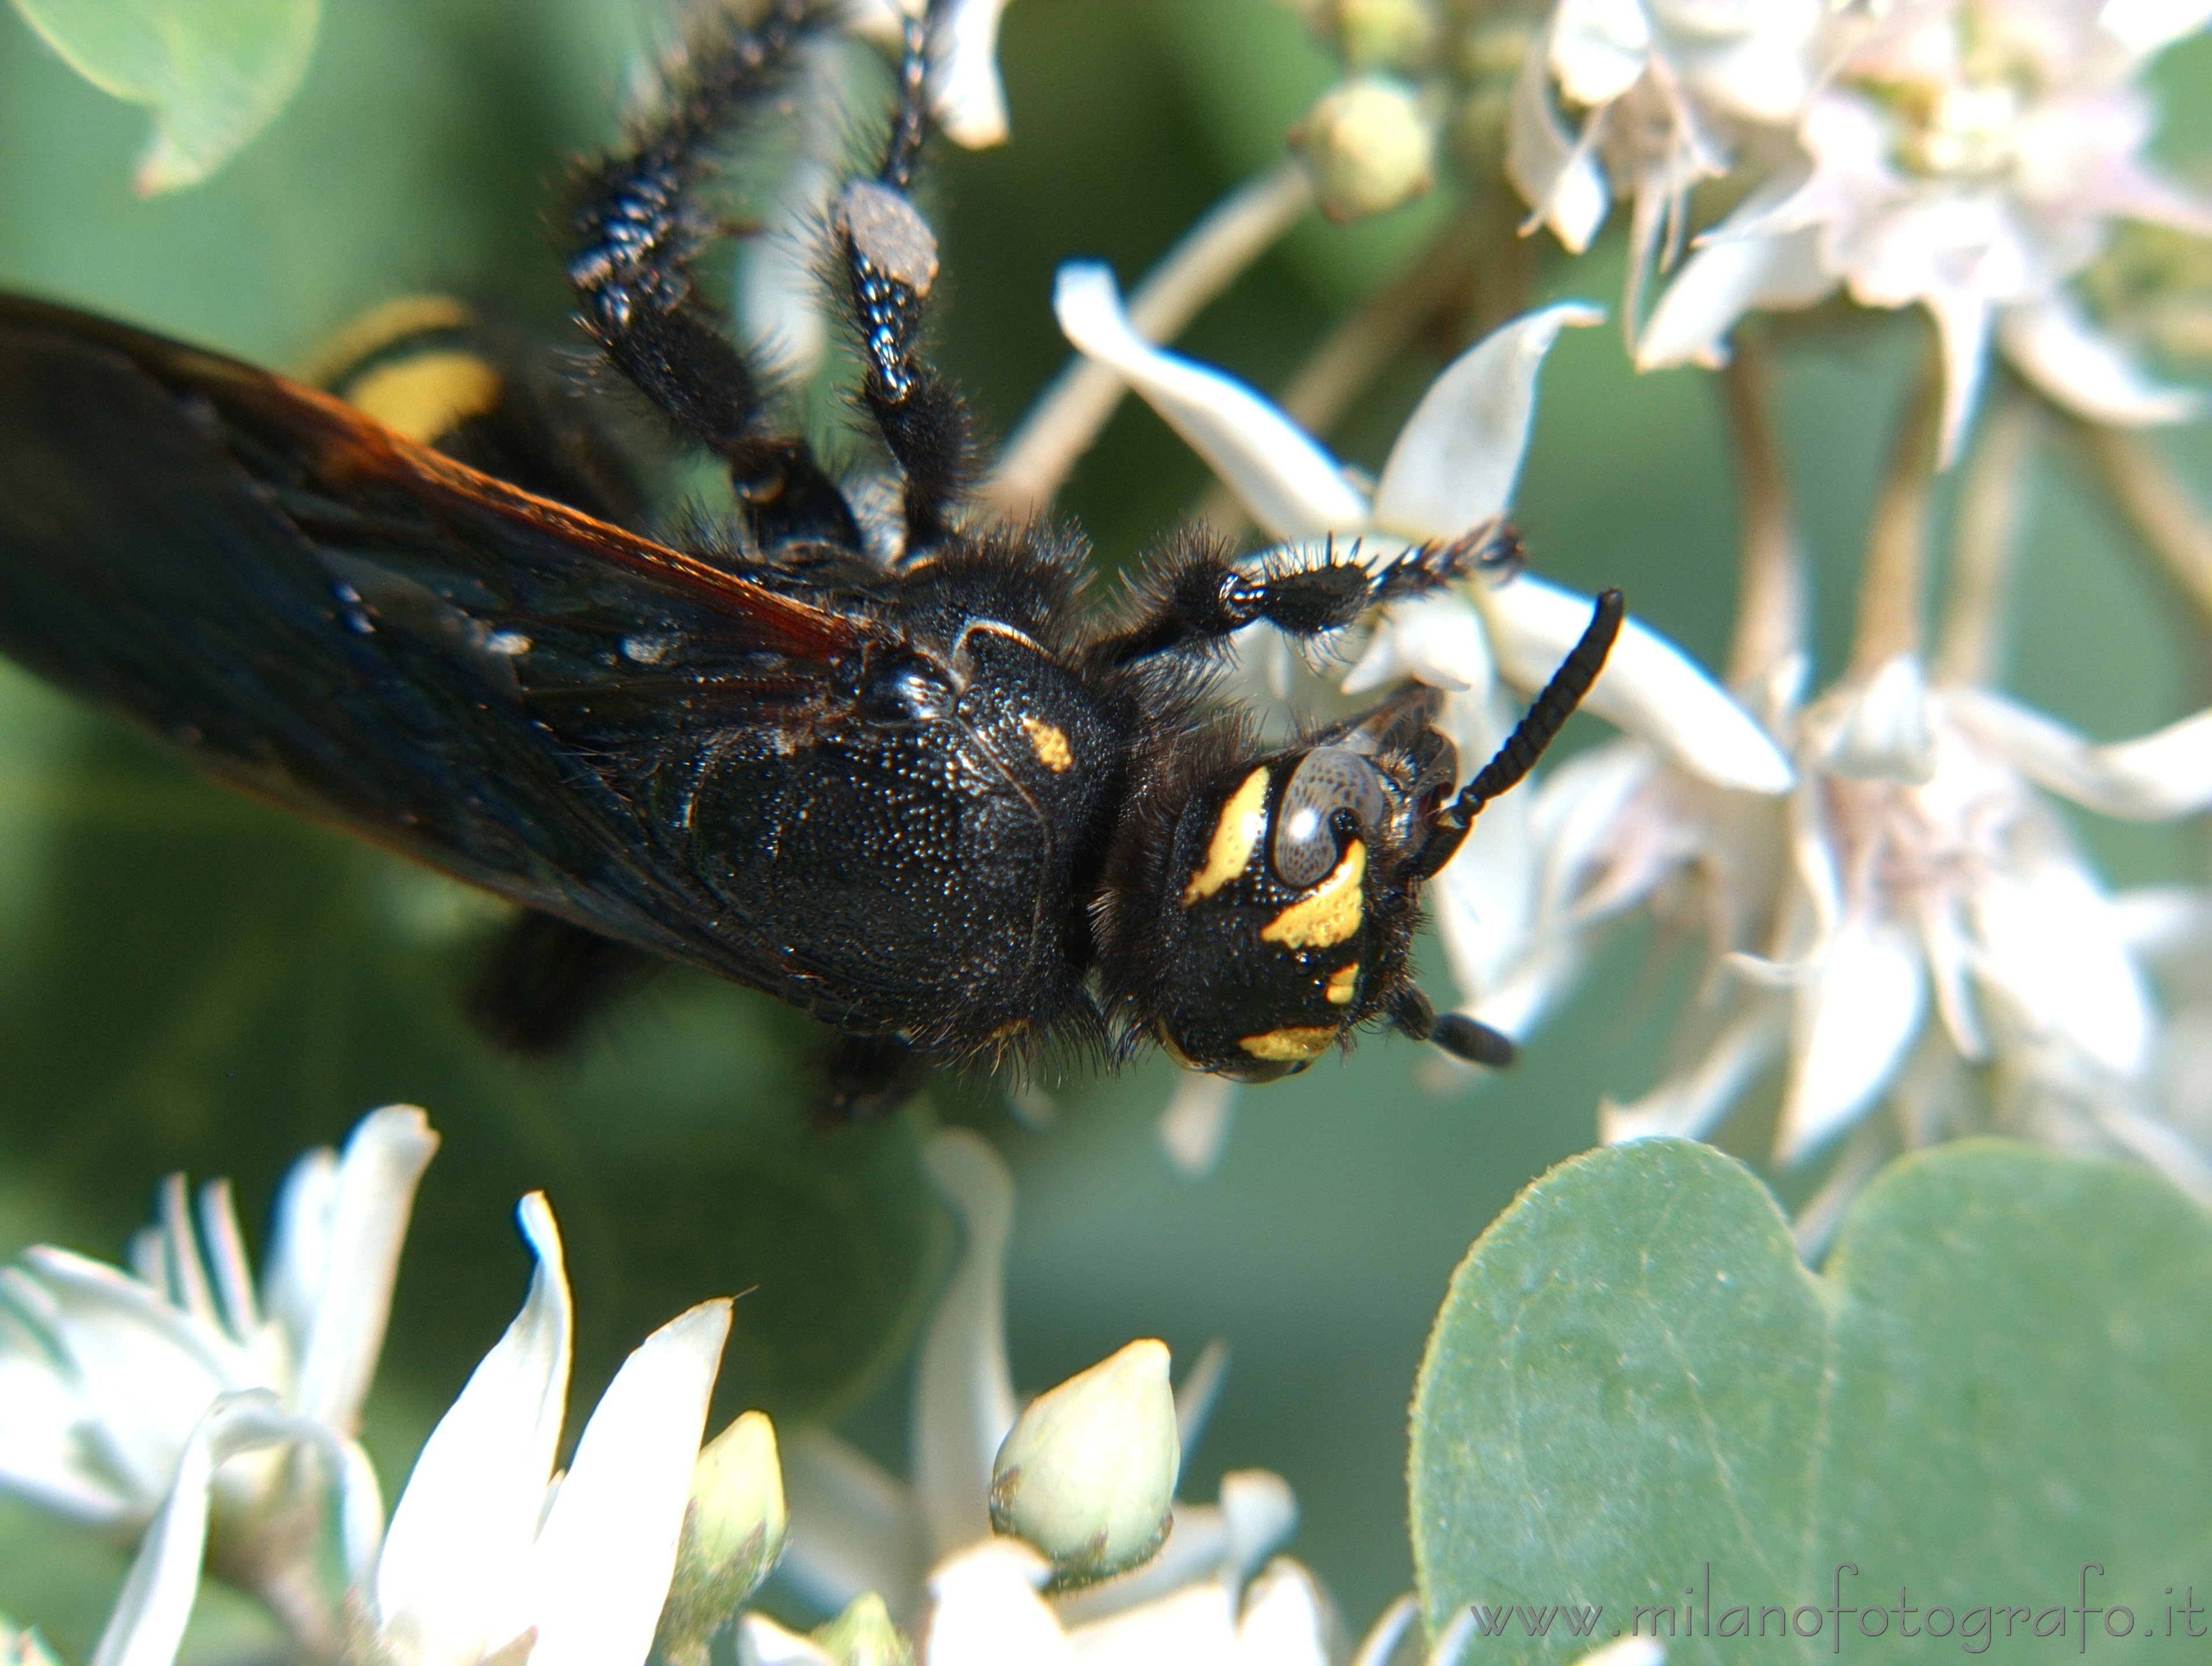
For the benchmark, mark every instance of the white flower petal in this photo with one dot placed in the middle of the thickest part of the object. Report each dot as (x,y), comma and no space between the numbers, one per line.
(1259,1511)
(599,1571)
(1381,1642)
(984,1610)
(228,1269)
(2054,347)
(1629,1651)
(2052,946)
(1437,640)
(852,1526)
(1857,1013)
(42,1458)
(145,1371)
(2145,27)
(1196,1396)
(148,1621)
(384,1159)
(966,93)
(1649,686)
(1879,730)
(1455,462)
(1720,282)
(1194,1126)
(1599,48)
(1963,320)
(1289,484)
(964,1394)
(1690,1103)
(762,1642)
(299,1253)
(1285,1622)
(2156,777)
(1557,175)
(448,1580)
(1194,1626)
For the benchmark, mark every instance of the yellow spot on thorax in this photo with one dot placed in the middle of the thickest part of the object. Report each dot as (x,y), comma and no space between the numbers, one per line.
(1343,984)
(428,397)
(1327,914)
(1243,819)
(1049,742)
(1298,1042)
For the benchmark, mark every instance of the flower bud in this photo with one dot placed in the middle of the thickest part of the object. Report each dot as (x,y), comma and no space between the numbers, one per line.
(863,1636)
(1368,146)
(732,1534)
(1088,1471)
(1381,33)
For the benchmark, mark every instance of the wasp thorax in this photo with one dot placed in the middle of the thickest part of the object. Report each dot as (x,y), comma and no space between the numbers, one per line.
(1282,933)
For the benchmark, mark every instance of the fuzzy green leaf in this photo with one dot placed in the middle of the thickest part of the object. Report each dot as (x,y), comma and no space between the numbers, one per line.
(213,72)
(1635,1397)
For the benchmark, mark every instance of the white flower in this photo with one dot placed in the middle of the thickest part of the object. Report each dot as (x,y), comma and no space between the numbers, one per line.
(1969,156)
(1925,874)
(1451,469)
(487,1554)
(1663,91)
(965,93)
(854,1528)
(105,1378)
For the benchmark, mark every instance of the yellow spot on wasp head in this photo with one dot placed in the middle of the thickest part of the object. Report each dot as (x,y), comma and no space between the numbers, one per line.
(428,397)
(1236,835)
(1328,913)
(1298,1042)
(1343,984)
(1049,742)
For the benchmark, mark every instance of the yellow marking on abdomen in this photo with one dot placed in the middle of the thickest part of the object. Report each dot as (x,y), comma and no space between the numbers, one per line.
(381,329)
(1343,984)
(1243,819)
(428,397)
(1049,742)
(1298,1042)
(1329,912)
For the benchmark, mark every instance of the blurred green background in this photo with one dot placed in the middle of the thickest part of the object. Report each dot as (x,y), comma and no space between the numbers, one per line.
(188,980)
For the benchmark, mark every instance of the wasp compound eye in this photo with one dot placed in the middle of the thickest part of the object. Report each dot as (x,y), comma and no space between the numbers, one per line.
(1328,779)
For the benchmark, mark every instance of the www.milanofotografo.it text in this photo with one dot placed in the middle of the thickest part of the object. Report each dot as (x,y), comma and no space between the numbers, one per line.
(1852,1614)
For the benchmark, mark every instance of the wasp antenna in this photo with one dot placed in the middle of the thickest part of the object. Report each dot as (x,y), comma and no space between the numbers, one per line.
(1464,1037)
(1413,1014)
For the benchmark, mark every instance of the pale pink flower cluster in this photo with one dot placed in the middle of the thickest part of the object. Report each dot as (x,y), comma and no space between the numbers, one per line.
(1968,156)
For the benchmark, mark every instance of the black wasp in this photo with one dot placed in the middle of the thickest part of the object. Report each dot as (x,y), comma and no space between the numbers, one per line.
(928,798)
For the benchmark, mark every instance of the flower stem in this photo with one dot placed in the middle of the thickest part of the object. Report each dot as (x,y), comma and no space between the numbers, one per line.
(1889,584)
(1361,347)
(1770,616)
(1989,502)
(2155,504)
(1062,426)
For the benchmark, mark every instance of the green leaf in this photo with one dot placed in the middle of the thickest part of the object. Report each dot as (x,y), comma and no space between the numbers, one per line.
(214,72)
(1634,1394)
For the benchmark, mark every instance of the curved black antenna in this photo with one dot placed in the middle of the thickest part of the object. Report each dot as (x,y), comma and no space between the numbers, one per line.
(1536,731)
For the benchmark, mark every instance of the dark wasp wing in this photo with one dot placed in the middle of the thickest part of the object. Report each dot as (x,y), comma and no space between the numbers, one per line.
(326,614)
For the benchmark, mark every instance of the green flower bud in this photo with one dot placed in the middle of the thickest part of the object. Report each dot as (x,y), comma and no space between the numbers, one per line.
(863,1636)
(1087,1473)
(1393,35)
(732,1534)
(1369,145)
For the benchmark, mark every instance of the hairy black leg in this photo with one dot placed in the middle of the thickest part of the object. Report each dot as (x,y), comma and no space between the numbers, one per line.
(638,228)
(866,1077)
(890,261)
(1201,595)
(546,979)
(1536,731)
